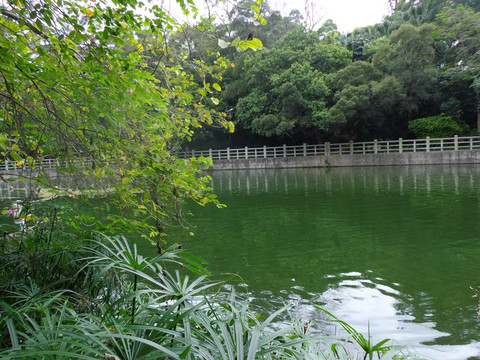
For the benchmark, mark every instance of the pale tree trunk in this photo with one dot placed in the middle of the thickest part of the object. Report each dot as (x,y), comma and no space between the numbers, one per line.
(393,5)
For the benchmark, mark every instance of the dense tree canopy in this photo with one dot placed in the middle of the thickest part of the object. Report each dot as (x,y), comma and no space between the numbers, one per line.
(128,88)
(320,85)
(287,88)
(461,37)
(105,81)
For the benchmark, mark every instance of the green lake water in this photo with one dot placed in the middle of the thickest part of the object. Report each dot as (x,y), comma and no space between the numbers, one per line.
(395,249)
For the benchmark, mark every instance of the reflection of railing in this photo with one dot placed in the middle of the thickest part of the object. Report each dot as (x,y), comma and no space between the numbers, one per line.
(351,148)
(16,191)
(21,187)
(423,179)
(45,164)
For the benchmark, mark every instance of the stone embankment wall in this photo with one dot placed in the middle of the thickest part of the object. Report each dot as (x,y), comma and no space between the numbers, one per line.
(384,159)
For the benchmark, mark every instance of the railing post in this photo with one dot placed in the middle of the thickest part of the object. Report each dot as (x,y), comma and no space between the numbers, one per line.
(416,145)
(6,165)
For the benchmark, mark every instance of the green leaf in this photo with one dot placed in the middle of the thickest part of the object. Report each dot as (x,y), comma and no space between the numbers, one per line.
(217,87)
(255,8)
(15,156)
(13,334)
(254,44)
(184,354)
(31,162)
(223,44)
(476,84)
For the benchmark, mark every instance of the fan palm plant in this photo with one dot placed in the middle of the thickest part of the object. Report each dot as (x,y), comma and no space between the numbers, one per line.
(138,309)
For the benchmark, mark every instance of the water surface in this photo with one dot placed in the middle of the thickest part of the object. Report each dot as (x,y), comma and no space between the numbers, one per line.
(392,248)
(395,249)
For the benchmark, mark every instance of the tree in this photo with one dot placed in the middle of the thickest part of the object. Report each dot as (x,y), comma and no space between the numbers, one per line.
(461,33)
(313,14)
(376,100)
(238,22)
(354,113)
(287,87)
(439,126)
(100,82)
(410,58)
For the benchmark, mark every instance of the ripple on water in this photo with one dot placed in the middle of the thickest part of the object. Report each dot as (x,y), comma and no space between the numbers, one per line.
(397,245)
(372,306)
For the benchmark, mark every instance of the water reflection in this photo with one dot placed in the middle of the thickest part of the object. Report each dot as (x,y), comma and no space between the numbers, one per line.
(18,188)
(415,178)
(396,247)
(370,306)
(393,247)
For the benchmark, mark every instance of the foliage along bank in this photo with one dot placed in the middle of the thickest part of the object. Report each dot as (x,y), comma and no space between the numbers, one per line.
(105,81)
(312,86)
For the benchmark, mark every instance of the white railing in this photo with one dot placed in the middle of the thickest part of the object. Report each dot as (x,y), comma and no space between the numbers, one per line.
(351,148)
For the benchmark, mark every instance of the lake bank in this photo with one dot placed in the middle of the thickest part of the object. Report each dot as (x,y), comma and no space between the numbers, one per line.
(355,160)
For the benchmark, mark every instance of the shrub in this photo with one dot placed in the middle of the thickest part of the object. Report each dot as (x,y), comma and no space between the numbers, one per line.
(149,312)
(438,126)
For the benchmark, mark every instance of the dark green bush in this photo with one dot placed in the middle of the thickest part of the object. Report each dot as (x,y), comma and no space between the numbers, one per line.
(438,126)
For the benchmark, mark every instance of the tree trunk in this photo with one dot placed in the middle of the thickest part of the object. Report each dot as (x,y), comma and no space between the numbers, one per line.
(477,97)
(478,117)
(477,93)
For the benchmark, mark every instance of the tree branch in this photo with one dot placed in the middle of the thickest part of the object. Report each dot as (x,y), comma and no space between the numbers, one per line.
(13,16)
